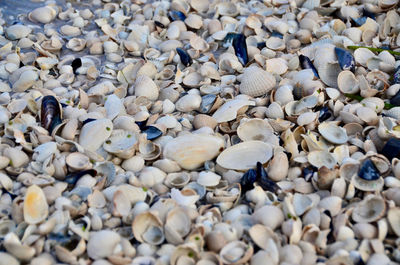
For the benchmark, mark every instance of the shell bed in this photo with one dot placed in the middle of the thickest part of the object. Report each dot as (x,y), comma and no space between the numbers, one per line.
(199,132)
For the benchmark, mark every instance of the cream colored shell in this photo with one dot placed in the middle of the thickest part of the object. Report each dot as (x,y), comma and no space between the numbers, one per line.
(256,82)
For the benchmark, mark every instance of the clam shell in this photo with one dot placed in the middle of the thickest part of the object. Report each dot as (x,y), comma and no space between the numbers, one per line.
(235,253)
(121,143)
(43,14)
(256,82)
(394,219)
(347,82)
(321,158)
(177,226)
(262,235)
(371,209)
(147,228)
(36,208)
(228,111)
(333,133)
(95,133)
(78,161)
(244,156)
(145,86)
(191,151)
(257,129)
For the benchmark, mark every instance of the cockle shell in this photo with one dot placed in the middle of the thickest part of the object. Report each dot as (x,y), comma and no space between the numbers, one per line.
(192,150)
(35,205)
(145,86)
(256,82)
(245,155)
(371,209)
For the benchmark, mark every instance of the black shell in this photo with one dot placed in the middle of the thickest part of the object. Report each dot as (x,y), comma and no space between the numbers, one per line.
(76,63)
(368,171)
(248,179)
(265,182)
(50,113)
(184,56)
(240,46)
(306,63)
(324,114)
(207,102)
(396,80)
(391,148)
(345,59)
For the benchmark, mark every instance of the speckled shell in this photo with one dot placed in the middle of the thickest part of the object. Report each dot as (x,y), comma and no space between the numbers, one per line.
(256,82)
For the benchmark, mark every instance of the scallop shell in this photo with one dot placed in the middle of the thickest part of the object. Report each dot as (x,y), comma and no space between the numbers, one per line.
(333,133)
(145,86)
(192,150)
(36,208)
(257,129)
(245,155)
(256,82)
(347,82)
(371,209)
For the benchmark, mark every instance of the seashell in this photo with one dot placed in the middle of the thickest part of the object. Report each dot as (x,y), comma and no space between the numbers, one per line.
(121,143)
(256,129)
(269,215)
(50,113)
(332,203)
(328,73)
(46,63)
(202,120)
(236,252)
(362,55)
(364,230)
(229,110)
(263,236)
(101,244)
(333,133)
(227,9)
(43,15)
(184,56)
(345,59)
(192,150)
(177,180)
(321,158)
(347,82)
(244,156)
(23,79)
(13,245)
(393,216)
(8,259)
(76,44)
(146,87)
(35,205)
(276,66)
(208,179)
(256,82)
(70,31)
(370,209)
(17,31)
(275,43)
(274,111)
(177,226)
(95,133)
(283,95)
(17,157)
(147,228)
(194,21)
(278,167)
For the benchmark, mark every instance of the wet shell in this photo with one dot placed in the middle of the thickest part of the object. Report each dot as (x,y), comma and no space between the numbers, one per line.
(35,205)
(191,151)
(43,14)
(244,156)
(256,82)
(333,133)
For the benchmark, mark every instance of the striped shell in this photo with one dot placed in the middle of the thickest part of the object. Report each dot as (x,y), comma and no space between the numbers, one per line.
(256,82)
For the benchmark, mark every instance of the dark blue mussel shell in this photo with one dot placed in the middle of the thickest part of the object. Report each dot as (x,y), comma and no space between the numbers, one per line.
(152,132)
(50,113)
(306,63)
(184,56)
(368,171)
(177,15)
(391,148)
(324,114)
(238,41)
(207,102)
(345,59)
(396,76)
(76,63)
(264,181)
(248,180)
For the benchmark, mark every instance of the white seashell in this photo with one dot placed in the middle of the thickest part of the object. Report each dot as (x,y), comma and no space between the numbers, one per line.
(347,82)
(17,157)
(277,66)
(275,43)
(236,252)
(362,55)
(144,86)
(17,31)
(306,118)
(76,44)
(269,215)
(328,73)
(278,167)
(370,209)
(256,82)
(151,176)
(274,111)
(188,103)
(333,133)
(46,63)
(393,217)
(228,111)
(70,31)
(245,155)
(183,199)
(25,80)
(36,208)
(43,15)
(332,203)
(321,158)
(95,133)
(283,95)
(101,244)
(194,21)
(192,150)
(121,143)
(208,178)
(177,226)
(257,129)
(147,228)
(44,151)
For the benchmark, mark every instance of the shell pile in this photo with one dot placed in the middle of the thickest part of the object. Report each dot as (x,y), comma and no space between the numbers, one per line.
(200,132)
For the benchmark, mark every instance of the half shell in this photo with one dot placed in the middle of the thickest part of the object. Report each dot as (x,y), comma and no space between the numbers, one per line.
(256,82)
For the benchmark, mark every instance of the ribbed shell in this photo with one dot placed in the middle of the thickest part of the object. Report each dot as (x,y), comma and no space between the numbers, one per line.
(145,86)
(256,82)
